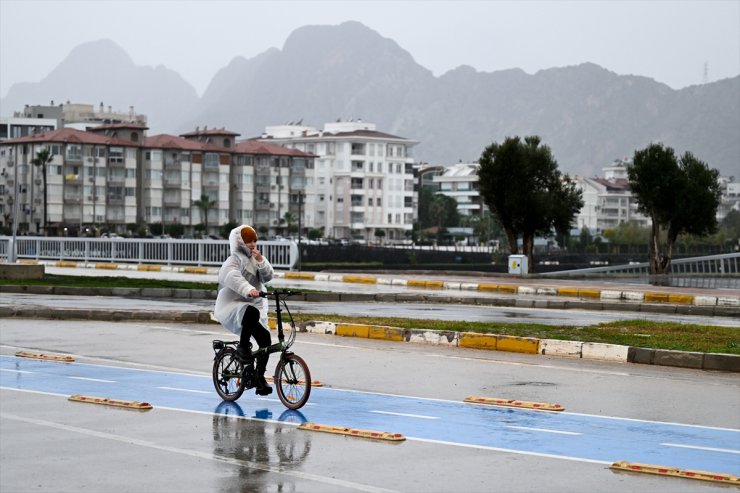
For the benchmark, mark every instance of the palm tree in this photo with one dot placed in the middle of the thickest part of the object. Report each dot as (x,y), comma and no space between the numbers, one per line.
(205,204)
(289,218)
(43,157)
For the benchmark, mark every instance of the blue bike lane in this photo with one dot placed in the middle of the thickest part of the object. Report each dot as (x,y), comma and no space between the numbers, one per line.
(564,435)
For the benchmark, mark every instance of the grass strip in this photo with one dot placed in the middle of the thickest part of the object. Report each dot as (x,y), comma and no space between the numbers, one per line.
(636,333)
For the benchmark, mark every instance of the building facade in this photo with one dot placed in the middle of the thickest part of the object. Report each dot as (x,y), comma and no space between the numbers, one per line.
(113,176)
(362,183)
(460,182)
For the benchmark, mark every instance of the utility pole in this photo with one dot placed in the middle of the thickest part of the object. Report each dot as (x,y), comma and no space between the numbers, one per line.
(12,254)
(300,213)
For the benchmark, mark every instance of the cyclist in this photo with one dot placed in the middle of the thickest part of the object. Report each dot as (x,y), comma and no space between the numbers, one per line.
(239,307)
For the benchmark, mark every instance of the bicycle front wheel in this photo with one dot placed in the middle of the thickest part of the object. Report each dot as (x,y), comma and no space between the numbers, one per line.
(292,381)
(228,375)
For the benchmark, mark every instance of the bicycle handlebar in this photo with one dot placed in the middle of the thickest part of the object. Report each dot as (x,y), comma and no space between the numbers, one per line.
(279,292)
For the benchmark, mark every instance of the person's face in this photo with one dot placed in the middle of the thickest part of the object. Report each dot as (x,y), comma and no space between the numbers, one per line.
(252,245)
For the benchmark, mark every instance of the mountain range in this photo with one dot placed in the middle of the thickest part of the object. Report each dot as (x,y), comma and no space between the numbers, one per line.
(588,115)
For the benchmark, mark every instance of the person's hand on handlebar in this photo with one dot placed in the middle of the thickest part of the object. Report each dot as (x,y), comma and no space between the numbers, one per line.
(254,293)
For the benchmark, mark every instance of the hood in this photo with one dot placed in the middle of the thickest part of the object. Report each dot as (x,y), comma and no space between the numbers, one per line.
(236,243)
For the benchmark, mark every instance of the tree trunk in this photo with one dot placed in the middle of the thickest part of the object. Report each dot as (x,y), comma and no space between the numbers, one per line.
(46,195)
(528,250)
(511,237)
(654,253)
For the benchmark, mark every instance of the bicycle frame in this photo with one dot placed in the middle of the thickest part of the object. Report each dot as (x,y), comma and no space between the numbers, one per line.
(279,346)
(232,375)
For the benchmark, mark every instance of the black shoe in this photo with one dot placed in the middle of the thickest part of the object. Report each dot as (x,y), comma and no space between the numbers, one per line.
(243,355)
(262,387)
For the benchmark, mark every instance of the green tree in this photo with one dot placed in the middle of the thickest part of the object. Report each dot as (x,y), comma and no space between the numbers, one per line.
(225,230)
(731,227)
(520,183)
(443,211)
(205,204)
(584,239)
(679,195)
(290,219)
(425,199)
(42,159)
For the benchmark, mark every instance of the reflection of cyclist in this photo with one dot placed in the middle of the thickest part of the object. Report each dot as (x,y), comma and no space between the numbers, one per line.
(238,305)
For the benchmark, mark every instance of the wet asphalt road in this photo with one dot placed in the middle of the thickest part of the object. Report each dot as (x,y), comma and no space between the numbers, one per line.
(48,443)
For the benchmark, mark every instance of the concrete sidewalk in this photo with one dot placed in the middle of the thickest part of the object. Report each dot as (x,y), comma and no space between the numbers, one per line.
(603,290)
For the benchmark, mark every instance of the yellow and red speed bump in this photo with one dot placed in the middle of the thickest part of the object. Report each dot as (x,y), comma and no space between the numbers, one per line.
(142,406)
(542,406)
(314,383)
(675,472)
(379,435)
(50,357)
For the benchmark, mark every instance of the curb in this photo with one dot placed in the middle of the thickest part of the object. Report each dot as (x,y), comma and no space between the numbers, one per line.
(605,295)
(557,304)
(531,345)
(470,340)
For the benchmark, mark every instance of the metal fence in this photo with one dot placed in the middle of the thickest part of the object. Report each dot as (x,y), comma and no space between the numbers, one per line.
(714,265)
(282,254)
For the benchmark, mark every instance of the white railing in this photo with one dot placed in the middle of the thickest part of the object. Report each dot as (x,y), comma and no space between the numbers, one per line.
(713,265)
(282,254)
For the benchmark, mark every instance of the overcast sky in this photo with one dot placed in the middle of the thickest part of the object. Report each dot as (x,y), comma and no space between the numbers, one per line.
(679,43)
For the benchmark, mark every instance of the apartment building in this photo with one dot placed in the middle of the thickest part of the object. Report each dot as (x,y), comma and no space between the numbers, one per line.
(460,182)
(91,178)
(362,183)
(114,175)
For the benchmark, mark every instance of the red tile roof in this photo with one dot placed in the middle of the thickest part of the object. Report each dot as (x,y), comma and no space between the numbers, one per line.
(166,141)
(73,136)
(254,146)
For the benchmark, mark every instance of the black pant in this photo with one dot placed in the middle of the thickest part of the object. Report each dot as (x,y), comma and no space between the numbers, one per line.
(251,327)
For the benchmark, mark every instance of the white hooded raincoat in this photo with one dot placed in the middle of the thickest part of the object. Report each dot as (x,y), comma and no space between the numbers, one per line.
(236,278)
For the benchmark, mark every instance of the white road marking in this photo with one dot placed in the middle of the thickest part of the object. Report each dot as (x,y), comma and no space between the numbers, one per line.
(198,454)
(15,371)
(421,416)
(93,379)
(545,430)
(186,390)
(697,447)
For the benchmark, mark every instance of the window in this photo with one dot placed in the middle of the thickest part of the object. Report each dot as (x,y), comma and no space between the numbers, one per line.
(211,160)
(74,152)
(130,153)
(116,155)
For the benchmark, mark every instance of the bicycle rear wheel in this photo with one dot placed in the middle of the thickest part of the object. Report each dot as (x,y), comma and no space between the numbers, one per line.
(292,381)
(228,375)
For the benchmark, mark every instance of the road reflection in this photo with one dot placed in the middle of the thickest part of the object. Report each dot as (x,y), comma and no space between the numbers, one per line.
(261,448)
